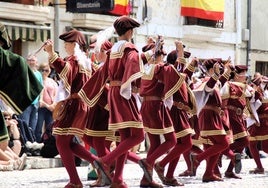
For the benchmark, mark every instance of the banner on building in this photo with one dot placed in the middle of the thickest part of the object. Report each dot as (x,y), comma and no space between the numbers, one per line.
(205,9)
(121,7)
(89,6)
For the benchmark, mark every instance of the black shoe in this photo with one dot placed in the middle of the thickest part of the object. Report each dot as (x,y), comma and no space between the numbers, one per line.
(28,152)
(36,152)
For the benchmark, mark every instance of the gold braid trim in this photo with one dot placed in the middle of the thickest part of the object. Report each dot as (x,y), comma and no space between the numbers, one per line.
(205,141)
(119,53)
(191,68)
(159,131)
(90,102)
(126,124)
(226,75)
(212,132)
(106,107)
(193,101)
(95,133)
(112,138)
(197,143)
(240,135)
(149,75)
(68,131)
(9,102)
(181,60)
(215,77)
(184,132)
(148,55)
(53,58)
(176,87)
(64,77)
(258,138)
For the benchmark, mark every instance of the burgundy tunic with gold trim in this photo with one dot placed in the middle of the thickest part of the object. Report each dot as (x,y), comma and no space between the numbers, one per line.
(236,94)
(259,132)
(209,118)
(160,82)
(97,124)
(179,113)
(74,76)
(122,68)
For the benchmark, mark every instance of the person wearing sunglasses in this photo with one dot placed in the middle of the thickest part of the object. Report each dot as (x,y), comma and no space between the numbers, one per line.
(30,114)
(47,101)
(14,133)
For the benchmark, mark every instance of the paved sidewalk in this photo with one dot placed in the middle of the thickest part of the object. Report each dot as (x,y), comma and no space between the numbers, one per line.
(57,177)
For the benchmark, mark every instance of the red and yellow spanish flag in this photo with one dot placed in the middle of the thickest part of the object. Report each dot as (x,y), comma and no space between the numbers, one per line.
(121,7)
(205,9)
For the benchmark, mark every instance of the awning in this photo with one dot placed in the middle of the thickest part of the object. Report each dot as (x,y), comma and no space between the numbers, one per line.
(28,32)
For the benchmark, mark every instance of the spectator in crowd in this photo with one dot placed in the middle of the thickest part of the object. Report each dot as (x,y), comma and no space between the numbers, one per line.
(47,101)
(27,138)
(14,133)
(7,155)
(27,89)
(29,144)
(30,114)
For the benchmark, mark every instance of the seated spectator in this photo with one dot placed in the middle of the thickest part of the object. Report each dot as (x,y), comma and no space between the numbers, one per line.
(27,138)
(29,144)
(18,89)
(10,158)
(14,133)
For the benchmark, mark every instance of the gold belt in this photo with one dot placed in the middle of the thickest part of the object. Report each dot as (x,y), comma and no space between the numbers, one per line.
(74,96)
(216,109)
(237,110)
(115,83)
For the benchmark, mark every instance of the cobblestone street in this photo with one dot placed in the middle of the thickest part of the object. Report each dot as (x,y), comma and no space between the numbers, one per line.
(57,177)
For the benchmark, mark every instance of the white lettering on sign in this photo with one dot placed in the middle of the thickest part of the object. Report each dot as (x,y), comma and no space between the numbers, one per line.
(88,5)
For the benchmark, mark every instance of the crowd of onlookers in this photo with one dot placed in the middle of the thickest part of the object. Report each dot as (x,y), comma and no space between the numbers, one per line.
(31,132)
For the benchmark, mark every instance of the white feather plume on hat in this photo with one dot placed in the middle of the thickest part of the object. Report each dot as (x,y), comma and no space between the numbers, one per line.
(103,35)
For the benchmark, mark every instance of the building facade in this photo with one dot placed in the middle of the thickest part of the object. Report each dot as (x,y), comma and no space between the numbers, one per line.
(241,35)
